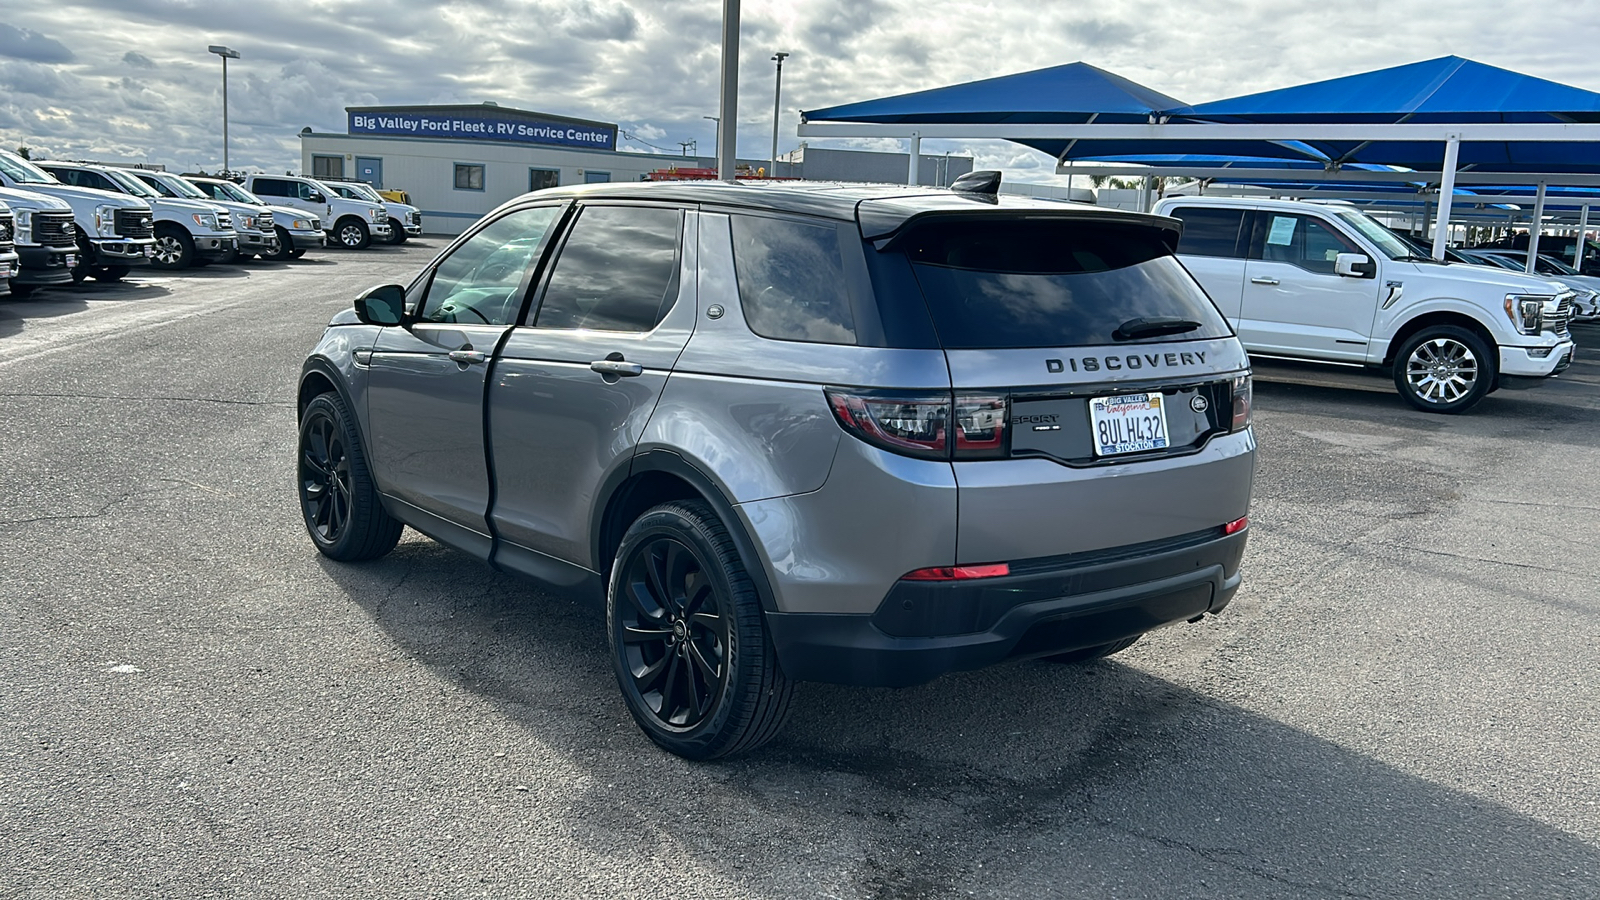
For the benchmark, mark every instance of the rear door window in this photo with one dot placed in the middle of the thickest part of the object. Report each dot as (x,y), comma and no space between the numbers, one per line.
(1211,232)
(1051,283)
(792,281)
(268,187)
(618,270)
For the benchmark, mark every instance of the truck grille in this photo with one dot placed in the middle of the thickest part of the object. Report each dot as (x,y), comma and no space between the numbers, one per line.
(1563,315)
(54,229)
(264,220)
(6,232)
(134,223)
(224,221)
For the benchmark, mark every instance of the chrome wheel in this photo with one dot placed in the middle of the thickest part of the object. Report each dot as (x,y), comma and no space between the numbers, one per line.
(324,478)
(352,236)
(1442,370)
(169,250)
(672,633)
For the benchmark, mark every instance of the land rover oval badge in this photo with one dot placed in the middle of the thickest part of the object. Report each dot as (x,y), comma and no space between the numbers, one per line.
(1198,403)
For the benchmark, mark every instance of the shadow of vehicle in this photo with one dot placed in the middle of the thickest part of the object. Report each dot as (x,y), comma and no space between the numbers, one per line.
(1021,780)
(48,303)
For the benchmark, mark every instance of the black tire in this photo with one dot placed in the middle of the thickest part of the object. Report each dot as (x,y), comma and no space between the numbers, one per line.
(285,245)
(174,248)
(1088,654)
(1445,369)
(675,563)
(298,253)
(23,291)
(109,273)
(397,232)
(85,257)
(338,499)
(352,234)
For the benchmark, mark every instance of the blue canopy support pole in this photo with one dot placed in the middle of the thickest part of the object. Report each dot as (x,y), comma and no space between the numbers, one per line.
(1534,227)
(1447,195)
(916,156)
(1578,248)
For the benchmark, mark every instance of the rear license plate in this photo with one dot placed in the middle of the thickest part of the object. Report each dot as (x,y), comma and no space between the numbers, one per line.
(1128,423)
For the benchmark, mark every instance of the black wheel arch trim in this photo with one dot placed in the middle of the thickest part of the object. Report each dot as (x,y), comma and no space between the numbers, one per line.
(324,367)
(671,463)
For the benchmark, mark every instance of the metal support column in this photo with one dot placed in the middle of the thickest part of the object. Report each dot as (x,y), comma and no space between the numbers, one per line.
(1535,227)
(1447,195)
(777,98)
(916,155)
(728,108)
(1578,247)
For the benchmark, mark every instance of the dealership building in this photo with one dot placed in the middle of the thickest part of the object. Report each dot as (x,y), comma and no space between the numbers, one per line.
(458,162)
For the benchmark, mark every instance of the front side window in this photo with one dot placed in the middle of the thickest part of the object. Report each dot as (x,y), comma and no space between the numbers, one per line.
(469,177)
(539,179)
(1302,241)
(304,191)
(792,280)
(1210,232)
(617,271)
(1001,283)
(480,282)
(327,167)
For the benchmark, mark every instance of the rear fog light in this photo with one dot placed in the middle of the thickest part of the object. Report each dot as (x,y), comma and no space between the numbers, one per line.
(1236,526)
(958,573)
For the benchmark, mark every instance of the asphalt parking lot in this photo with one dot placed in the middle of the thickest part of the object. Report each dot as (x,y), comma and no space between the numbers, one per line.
(1401,701)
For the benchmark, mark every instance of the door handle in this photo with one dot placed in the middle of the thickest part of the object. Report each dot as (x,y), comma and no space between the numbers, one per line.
(617,368)
(1262,279)
(467,357)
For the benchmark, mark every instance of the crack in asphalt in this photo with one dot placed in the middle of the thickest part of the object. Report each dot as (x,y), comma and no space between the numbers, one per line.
(43,395)
(9,523)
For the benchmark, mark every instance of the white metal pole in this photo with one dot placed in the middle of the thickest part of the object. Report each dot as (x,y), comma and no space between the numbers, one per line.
(777,97)
(1577,249)
(1534,228)
(728,110)
(225,167)
(916,155)
(1447,196)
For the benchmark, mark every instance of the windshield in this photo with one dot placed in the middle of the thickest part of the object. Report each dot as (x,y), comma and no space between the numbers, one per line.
(182,188)
(359,192)
(1500,262)
(1390,245)
(1548,266)
(226,190)
(23,172)
(130,184)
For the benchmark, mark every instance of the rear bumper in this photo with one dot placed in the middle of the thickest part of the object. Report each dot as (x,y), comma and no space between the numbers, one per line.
(923,630)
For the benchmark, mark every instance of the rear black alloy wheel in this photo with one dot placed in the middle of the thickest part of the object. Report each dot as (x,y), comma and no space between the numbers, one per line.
(689,642)
(337,497)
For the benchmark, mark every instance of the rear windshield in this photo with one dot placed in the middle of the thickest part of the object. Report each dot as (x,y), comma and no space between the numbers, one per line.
(1052,283)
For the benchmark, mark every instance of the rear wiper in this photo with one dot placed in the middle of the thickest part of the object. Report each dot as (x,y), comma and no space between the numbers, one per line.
(1152,326)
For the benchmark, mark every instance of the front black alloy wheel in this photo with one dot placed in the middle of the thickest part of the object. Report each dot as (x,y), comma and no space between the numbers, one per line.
(337,497)
(689,642)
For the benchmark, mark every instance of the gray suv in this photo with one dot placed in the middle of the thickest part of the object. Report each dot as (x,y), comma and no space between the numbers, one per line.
(797,432)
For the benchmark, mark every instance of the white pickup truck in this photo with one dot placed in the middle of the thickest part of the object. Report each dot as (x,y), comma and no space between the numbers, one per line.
(1325,282)
(352,224)
(114,231)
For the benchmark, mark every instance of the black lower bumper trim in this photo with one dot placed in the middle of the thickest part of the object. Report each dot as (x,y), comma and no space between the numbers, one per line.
(852,649)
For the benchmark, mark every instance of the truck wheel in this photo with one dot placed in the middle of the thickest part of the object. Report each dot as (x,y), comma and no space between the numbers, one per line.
(353,234)
(688,639)
(174,248)
(110,273)
(1088,654)
(22,291)
(85,255)
(397,232)
(1445,369)
(285,245)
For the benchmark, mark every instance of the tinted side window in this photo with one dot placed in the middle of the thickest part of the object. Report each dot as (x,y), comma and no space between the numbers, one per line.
(268,187)
(1302,241)
(303,190)
(792,280)
(1210,232)
(480,282)
(617,271)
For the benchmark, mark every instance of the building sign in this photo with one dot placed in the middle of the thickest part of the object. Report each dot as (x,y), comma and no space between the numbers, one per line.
(486,126)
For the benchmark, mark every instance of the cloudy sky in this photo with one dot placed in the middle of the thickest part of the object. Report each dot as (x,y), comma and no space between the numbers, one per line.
(131,79)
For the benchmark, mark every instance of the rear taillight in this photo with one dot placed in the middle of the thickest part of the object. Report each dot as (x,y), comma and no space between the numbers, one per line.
(1243,400)
(919,424)
(958,573)
(1236,526)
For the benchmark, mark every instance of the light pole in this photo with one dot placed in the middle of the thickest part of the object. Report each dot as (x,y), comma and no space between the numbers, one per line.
(226,55)
(729,111)
(777,98)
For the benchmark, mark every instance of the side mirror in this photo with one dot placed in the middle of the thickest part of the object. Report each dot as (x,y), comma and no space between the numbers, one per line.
(317,197)
(1354,265)
(382,305)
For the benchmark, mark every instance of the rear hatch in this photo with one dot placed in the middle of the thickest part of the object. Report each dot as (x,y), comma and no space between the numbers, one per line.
(1098,394)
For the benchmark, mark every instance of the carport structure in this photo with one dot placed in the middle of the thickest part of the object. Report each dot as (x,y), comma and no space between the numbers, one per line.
(1432,124)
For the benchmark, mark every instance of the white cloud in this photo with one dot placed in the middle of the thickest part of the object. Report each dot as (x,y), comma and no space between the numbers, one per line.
(132,78)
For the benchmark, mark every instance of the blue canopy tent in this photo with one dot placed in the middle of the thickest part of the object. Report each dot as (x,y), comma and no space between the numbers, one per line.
(1435,118)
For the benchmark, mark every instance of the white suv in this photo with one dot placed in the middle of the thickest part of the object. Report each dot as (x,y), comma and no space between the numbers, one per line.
(1325,282)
